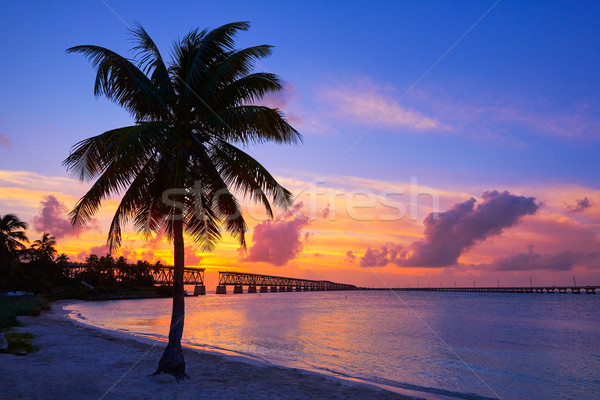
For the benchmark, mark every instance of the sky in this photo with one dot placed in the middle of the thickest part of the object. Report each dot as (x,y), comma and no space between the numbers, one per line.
(444,142)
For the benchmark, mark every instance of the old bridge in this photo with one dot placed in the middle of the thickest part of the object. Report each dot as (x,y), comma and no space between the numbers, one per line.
(269,283)
(508,289)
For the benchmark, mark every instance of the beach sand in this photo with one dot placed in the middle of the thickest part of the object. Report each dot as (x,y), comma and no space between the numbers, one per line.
(80,362)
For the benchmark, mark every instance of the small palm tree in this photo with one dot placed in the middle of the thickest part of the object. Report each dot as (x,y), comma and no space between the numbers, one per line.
(62,264)
(178,168)
(12,239)
(12,236)
(45,248)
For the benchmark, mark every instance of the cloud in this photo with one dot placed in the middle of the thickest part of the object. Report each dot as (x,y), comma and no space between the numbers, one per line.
(450,233)
(52,218)
(561,261)
(191,258)
(282,100)
(326,211)
(380,257)
(350,257)
(580,205)
(307,236)
(5,142)
(100,251)
(499,116)
(367,104)
(278,242)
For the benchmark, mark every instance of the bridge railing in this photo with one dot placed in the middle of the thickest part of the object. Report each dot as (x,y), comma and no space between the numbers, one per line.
(191,275)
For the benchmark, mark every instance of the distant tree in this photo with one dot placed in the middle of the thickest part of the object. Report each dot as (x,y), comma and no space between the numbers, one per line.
(108,269)
(12,244)
(122,268)
(191,114)
(44,250)
(12,236)
(62,261)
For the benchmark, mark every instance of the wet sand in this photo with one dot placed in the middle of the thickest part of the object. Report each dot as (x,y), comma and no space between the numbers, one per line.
(80,362)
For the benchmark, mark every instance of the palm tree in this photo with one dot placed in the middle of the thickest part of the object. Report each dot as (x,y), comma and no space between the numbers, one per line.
(179,167)
(45,248)
(12,234)
(62,264)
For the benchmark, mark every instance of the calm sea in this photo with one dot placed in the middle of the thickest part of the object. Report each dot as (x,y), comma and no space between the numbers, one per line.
(466,345)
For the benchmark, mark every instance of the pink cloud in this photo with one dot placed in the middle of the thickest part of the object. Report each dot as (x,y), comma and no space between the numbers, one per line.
(326,211)
(5,141)
(529,261)
(100,251)
(498,117)
(580,205)
(449,234)
(52,218)
(368,104)
(282,100)
(191,258)
(278,242)
(380,257)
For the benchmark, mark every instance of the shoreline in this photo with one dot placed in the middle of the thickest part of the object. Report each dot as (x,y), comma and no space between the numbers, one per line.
(70,352)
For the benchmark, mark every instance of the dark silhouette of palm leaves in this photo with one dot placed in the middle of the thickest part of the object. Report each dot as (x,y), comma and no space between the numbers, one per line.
(190,115)
(179,167)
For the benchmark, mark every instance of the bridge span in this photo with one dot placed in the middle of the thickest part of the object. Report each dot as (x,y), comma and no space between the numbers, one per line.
(268,283)
(509,289)
(191,276)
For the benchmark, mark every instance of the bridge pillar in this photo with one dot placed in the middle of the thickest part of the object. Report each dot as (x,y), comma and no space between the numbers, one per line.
(238,289)
(199,290)
(575,290)
(221,289)
(289,289)
(282,288)
(312,288)
(251,289)
(590,290)
(298,288)
(264,289)
(273,289)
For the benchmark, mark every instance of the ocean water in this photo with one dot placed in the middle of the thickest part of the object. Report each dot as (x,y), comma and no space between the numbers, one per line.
(463,345)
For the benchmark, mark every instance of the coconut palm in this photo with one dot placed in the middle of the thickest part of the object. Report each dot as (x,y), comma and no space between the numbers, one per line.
(12,236)
(179,168)
(12,239)
(45,248)
(62,264)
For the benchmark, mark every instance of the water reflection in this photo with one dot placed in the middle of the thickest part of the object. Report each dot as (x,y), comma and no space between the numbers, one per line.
(521,346)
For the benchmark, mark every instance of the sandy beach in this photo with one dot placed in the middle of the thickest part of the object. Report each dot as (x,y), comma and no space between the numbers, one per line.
(79,362)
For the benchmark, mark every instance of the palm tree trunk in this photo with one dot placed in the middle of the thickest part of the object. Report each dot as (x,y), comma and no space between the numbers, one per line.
(172,361)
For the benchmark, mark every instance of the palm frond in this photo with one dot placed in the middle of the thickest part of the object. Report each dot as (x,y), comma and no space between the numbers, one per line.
(214,45)
(122,82)
(245,90)
(248,176)
(151,63)
(125,148)
(253,124)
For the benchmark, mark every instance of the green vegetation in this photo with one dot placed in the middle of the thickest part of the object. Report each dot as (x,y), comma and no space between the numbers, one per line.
(11,306)
(37,269)
(19,342)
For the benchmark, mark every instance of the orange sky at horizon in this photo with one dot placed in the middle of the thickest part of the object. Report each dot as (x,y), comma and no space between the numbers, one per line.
(337,220)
